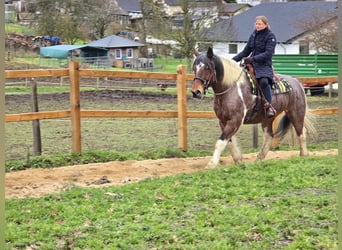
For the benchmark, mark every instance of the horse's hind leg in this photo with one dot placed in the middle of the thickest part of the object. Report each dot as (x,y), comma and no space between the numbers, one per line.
(301,133)
(265,147)
(220,146)
(302,142)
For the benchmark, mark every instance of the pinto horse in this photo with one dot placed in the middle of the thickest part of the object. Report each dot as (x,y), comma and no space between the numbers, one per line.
(235,104)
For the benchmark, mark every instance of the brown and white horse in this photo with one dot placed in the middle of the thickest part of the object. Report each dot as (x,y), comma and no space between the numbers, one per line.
(235,105)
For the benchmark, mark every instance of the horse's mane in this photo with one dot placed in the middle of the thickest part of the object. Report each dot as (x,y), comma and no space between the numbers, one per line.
(232,71)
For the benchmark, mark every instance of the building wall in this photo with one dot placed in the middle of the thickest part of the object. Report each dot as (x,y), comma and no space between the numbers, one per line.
(281,49)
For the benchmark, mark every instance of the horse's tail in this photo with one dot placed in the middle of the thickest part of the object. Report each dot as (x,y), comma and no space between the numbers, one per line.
(282,127)
(309,124)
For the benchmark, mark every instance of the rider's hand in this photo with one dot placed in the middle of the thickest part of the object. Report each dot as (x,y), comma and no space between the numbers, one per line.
(248,60)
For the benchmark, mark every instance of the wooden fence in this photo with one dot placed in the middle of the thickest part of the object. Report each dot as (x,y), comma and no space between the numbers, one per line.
(75,112)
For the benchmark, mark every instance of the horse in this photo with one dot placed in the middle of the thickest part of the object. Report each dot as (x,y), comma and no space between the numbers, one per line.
(235,104)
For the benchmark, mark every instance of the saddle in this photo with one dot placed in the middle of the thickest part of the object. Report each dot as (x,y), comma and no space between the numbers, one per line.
(279,86)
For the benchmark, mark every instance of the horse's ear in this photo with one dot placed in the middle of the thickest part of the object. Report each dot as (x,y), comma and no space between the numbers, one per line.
(210,53)
(196,52)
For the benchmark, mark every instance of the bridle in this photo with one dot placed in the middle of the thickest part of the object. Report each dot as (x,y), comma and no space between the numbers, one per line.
(211,79)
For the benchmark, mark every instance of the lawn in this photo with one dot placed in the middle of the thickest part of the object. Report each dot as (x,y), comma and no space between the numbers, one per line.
(288,204)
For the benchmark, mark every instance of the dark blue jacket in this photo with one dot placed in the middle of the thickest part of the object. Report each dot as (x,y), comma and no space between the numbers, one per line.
(260,46)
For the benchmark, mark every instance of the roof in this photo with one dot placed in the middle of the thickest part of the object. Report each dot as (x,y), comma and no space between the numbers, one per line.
(283,17)
(114,41)
(233,7)
(62,51)
(128,6)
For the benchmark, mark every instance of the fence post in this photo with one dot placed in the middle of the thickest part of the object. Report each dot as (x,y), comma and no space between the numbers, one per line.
(255,135)
(37,140)
(182,113)
(330,89)
(75,107)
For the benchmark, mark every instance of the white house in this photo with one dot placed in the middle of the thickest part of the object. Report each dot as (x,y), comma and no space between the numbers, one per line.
(229,36)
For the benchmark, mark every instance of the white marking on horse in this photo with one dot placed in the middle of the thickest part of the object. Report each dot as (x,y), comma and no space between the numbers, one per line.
(219,147)
(199,66)
(243,101)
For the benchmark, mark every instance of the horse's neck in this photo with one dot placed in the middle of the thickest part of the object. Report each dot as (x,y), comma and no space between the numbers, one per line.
(232,72)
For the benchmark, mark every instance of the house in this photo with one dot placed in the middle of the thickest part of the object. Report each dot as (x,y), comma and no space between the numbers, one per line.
(231,9)
(121,51)
(128,12)
(229,36)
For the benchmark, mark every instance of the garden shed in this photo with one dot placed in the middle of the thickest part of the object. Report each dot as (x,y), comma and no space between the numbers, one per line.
(122,52)
(68,51)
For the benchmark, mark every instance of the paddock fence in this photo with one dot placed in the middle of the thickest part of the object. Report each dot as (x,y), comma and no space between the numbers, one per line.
(75,113)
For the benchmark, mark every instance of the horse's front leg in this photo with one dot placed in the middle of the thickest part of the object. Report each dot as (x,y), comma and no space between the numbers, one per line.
(220,146)
(266,144)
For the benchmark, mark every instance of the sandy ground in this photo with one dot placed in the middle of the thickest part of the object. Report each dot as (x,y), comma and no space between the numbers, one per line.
(39,182)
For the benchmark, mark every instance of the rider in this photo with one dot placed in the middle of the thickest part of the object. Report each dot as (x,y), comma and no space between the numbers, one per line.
(260,48)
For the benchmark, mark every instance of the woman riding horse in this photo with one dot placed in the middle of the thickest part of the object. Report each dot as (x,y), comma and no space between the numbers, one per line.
(260,46)
(235,104)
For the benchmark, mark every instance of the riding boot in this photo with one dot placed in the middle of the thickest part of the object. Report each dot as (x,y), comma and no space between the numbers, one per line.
(270,111)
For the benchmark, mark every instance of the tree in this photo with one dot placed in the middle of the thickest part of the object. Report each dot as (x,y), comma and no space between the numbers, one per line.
(322,29)
(194,23)
(154,21)
(99,16)
(58,18)
(186,33)
(73,19)
(69,30)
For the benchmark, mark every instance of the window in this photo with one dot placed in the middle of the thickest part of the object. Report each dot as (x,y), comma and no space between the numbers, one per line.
(303,47)
(118,54)
(232,48)
(129,53)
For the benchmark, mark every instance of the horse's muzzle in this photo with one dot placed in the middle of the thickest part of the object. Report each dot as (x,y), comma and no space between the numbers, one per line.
(196,94)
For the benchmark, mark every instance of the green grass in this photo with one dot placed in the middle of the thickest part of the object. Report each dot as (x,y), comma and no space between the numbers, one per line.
(169,65)
(288,204)
(42,89)
(96,156)
(20,29)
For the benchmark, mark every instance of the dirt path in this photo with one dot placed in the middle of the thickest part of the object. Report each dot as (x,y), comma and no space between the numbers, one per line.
(39,182)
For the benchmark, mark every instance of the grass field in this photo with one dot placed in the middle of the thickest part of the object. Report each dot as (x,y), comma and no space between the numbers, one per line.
(288,204)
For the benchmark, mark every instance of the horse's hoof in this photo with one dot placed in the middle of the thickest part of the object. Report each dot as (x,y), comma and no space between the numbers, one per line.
(259,158)
(304,154)
(238,161)
(210,165)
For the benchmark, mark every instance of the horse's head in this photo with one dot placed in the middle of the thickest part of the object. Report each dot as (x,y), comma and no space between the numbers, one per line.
(205,73)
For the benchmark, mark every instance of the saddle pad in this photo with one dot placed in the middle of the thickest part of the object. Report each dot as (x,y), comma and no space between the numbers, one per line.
(281,86)
(254,88)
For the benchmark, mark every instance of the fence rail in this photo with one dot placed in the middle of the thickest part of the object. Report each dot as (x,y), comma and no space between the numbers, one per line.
(75,112)
(314,65)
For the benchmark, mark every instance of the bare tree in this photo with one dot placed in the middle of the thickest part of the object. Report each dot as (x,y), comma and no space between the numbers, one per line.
(99,16)
(73,19)
(322,29)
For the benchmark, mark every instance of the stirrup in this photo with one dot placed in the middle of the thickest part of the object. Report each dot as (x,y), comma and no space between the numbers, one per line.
(269,110)
(270,113)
